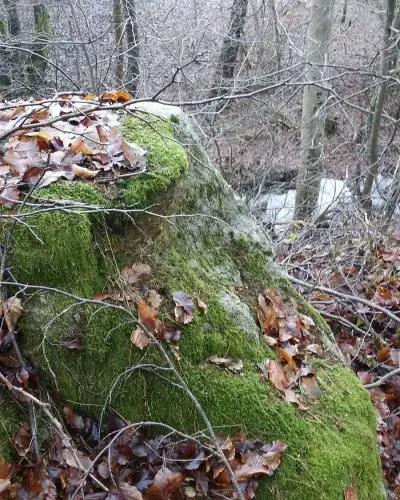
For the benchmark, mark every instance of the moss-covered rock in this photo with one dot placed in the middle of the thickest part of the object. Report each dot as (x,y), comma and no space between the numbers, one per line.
(205,243)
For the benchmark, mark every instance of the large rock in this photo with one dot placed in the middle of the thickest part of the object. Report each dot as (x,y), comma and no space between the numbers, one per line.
(197,237)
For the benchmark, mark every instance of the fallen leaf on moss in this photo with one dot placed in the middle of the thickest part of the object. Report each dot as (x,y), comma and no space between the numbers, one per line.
(231,364)
(184,307)
(140,339)
(12,311)
(147,316)
(154,299)
(135,273)
(22,439)
(202,305)
(291,397)
(276,375)
(350,493)
(309,387)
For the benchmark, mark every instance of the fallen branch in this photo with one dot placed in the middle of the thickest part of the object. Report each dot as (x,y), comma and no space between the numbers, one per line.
(345,296)
(383,379)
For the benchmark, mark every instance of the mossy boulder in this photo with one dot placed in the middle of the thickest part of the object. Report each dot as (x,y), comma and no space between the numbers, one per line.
(188,225)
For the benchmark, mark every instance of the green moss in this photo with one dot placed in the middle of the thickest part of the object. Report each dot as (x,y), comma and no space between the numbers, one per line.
(10,419)
(167,160)
(56,250)
(330,446)
(82,192)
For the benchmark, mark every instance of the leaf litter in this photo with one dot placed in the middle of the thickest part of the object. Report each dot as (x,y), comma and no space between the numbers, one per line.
(87,147)
(289,333)
(132,465)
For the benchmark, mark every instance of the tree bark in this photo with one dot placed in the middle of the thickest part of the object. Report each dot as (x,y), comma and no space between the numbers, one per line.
(11,27)
(230,49)
(118,42)
(132,41)
(38,65)
(388,62)
(313,116)
(277,39)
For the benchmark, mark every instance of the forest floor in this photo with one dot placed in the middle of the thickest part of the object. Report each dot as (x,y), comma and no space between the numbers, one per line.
(349,270)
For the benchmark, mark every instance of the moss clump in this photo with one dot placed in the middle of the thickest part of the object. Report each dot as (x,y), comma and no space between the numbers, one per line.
(10,419)
(81,192)
(331,445)
(56,250)
(167,160)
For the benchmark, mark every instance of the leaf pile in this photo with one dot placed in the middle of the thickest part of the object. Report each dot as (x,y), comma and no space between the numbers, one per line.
(288,331)
(87,146)
(131,466)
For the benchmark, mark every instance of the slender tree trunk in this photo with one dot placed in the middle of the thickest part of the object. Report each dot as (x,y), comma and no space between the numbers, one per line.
(14,26)
(230,49)
(132,42)
(313,116)
(118,42)
(394,195)
(344,12)
(277,38)
(9,26)
(389,58)
(37,68)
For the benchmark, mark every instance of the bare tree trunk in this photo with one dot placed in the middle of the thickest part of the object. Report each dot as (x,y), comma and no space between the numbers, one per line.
(14,26)
(230,48)
(118,42)
(11,27)
(394,195)
(132,41)
(277,38)
(314,100)
(389,57)
(344,12)
(38,66)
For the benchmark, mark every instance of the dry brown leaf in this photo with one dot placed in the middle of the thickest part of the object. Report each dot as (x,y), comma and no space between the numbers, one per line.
(154,299)
(291,397)
(4,485)
(129,492)
(309,387)
(184,307)
(148,317)
(253,467)
(22,439)
(277,376)
(350,493)
(83,172)
(140,339)
(12,311)
(202,305)
(231,364)
(79,146)
(165,484)
(123,96)
(136,273)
